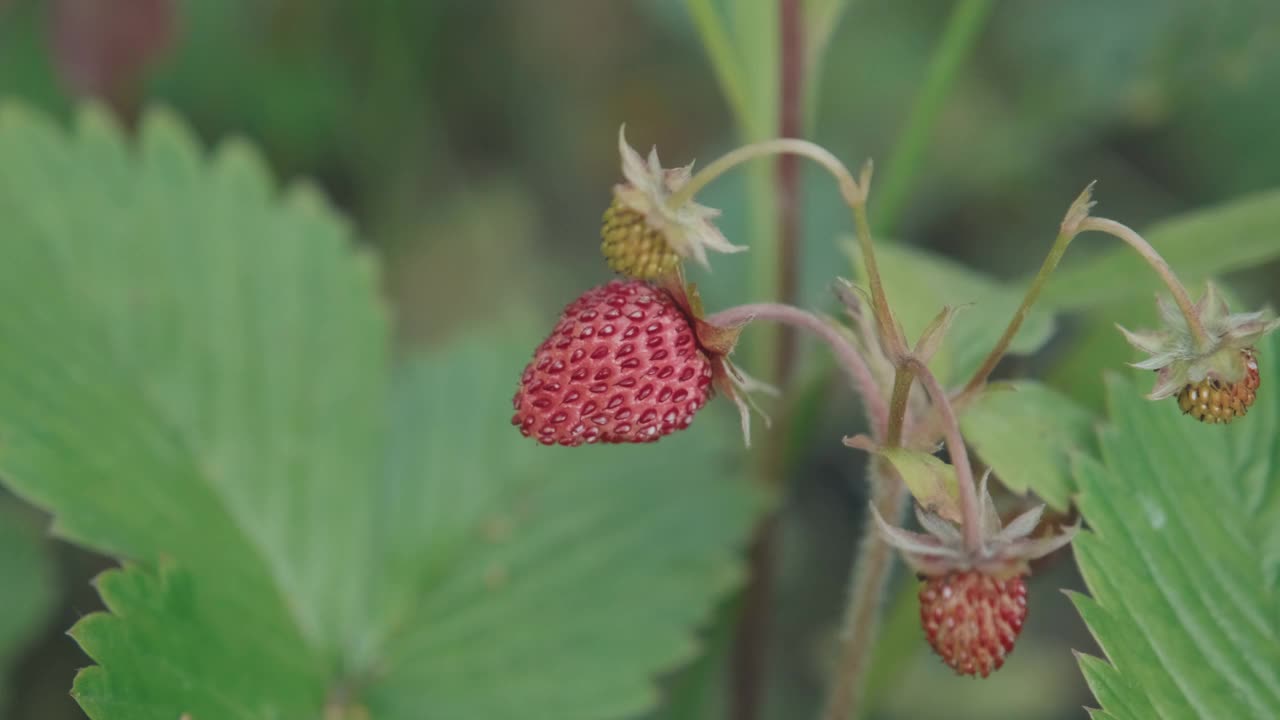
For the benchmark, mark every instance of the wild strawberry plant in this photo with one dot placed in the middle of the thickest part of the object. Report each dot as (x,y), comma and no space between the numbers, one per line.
(196,378)
(199,384)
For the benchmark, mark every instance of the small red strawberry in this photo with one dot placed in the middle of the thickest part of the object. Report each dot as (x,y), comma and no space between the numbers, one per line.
(973,600)
(972,619)
(623,365)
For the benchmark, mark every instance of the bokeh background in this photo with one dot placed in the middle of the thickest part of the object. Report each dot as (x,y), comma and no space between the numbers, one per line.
(472,142)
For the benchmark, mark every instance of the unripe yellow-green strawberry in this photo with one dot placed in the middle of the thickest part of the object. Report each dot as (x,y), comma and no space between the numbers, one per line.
(651,225)
(1212,369)
(633,248)
(1214,401)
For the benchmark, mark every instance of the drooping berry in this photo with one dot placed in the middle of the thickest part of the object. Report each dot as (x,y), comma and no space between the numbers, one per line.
(1212,369)
(623,365)
(1214,401)
(632,247)
(972,619)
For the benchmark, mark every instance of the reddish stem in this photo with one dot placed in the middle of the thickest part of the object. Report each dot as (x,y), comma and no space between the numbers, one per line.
(746,696)
(787,180)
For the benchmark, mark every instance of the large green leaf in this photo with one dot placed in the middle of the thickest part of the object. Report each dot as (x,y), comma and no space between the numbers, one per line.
(195,380)
(1025,432)
(1198,245)
(543,564)
(1182,559)
(26,586)
(919,284)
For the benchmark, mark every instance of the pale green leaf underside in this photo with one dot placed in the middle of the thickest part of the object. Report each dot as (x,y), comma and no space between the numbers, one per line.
(194,379)
(1198,245)
(919,284)
(1181,559)
(26,586)
(1025,431)
(932,482)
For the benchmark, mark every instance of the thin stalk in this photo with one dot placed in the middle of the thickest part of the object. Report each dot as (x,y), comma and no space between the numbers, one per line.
(902,380)
(787,172)
(1033,293)
(958,39)
(1153,258)
(959,457)
(778,146)
(889,332)
(846,354)
(853,192)
(872,568)
(870,572)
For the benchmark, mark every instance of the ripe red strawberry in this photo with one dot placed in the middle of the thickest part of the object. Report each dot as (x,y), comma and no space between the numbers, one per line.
(972,619)
(623,365)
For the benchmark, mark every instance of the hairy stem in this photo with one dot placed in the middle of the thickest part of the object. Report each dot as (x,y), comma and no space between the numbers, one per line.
(869,577)
(1153,258)
(1033,293)
(959,456)
(847,356)
(853,191)
(888,328)
(778,146)
(869,574)
(902,380)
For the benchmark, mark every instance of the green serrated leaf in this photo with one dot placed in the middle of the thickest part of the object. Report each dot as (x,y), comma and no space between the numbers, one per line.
(195,380)
(919,284)
(1026,431)
(1109,687)
(27,586)
(1182,559)
(1199,244)
(166,648)
(547,548)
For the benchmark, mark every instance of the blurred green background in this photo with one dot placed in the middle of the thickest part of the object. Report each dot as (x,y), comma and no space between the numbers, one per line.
(473,144)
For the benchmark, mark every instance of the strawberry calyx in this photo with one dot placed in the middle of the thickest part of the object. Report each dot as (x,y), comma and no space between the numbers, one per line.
(718,342)
(1182,361)
(1006,550)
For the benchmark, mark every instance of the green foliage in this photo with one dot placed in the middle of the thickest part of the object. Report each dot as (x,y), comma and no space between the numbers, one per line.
(919,284)
(964,25)
(1026,433)
(26,585)
(821,17)
(195,380)
(1182,558)
(740,38)
(1198,245)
